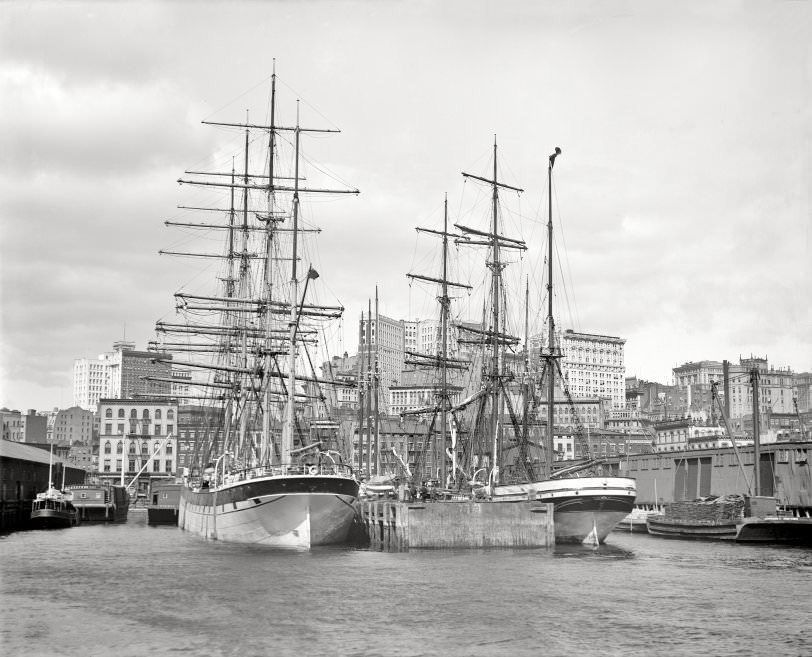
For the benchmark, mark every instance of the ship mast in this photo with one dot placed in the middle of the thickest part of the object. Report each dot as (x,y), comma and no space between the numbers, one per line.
(497,336)
(441,358)
(552,355)
(290,415)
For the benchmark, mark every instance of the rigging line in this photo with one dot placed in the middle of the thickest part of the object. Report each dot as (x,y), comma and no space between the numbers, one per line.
(264,81)
(574,314)
(304,101)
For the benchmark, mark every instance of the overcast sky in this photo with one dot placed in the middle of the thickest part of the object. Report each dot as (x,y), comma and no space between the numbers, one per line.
(683,190)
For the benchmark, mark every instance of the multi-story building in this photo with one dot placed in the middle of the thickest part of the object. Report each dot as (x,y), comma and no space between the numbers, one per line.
(385,343)
(74,424)
(34,427)
(342,369)
(701,372)
(91,381)
(131,374)
(415,396)
(695,380)
(124,374)
(803,392)
(410,329)
(593,364)
(200,434)
(12,425)
(679,434)
(137,436)
(776,389)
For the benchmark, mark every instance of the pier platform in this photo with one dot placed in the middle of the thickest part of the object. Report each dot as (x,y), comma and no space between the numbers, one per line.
(400,526)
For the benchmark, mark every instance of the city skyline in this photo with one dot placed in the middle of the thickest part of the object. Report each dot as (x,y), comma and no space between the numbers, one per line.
(682,189)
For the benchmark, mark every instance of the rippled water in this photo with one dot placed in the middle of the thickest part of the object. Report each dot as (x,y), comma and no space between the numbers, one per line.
(121,590)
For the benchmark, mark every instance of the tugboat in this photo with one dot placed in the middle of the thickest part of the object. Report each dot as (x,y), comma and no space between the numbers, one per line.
(54,508)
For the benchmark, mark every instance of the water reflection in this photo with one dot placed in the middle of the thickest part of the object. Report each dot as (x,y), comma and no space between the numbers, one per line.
(604,551)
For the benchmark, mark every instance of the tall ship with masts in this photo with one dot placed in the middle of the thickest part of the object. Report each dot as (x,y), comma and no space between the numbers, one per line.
(588,503)
(260,476)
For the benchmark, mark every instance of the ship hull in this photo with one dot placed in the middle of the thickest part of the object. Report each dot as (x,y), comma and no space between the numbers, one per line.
(101,503)
(789,531)
(285,511)
(53,518)
(586,509)
(677,528)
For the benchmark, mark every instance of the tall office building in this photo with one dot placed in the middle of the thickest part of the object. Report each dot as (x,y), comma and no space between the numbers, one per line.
(593,364)
(386,342)
(123,373)
(91,381)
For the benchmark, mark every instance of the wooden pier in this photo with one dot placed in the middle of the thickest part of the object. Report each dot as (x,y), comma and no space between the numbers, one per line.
(397,526)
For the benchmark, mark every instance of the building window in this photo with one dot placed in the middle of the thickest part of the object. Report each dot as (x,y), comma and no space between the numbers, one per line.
(169,449)
(132,448)
(121,412)
(157,431)
(108,413)
(170,414)
(107,447)
(133,413)
(132,466)
(168,466)
(108,428)
(119,447)
(156,466)
(157,413)
(169,428)
(120,429)
(145,414)
(107,466)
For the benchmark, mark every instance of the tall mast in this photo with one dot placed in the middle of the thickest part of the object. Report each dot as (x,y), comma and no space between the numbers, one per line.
(367,412)
(265,452)
(287,433)
(754,376)
(495,370)
(439,356)
(377,387)
(361,396)
(444,306)
(548,442)
(497,335)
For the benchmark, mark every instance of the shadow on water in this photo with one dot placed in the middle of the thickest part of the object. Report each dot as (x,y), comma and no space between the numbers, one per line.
(604,551)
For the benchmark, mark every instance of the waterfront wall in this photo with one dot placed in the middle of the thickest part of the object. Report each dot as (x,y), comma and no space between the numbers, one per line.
(785,472)
(393,525)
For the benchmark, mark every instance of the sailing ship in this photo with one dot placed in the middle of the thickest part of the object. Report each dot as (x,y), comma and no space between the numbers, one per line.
(587,503)
(54,508)
(258,478)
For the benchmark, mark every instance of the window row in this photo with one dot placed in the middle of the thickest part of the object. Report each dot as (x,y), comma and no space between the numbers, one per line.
(170,414)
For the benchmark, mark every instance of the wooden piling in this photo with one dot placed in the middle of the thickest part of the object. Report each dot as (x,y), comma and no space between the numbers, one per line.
(396,526)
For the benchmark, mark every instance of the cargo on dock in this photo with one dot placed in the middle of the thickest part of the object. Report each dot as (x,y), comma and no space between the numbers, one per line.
(395,526)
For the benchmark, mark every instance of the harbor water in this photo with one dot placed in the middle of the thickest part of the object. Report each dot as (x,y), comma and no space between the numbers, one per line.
(131,589)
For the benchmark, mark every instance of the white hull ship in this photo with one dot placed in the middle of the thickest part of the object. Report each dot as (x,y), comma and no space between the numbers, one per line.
(286,509)
(260,477)
(587,503)
(586,508)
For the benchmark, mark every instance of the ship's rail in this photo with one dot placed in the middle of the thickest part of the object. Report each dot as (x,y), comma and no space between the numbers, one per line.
(289,470)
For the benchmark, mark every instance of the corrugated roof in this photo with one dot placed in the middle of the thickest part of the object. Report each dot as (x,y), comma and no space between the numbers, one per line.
(12,450)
